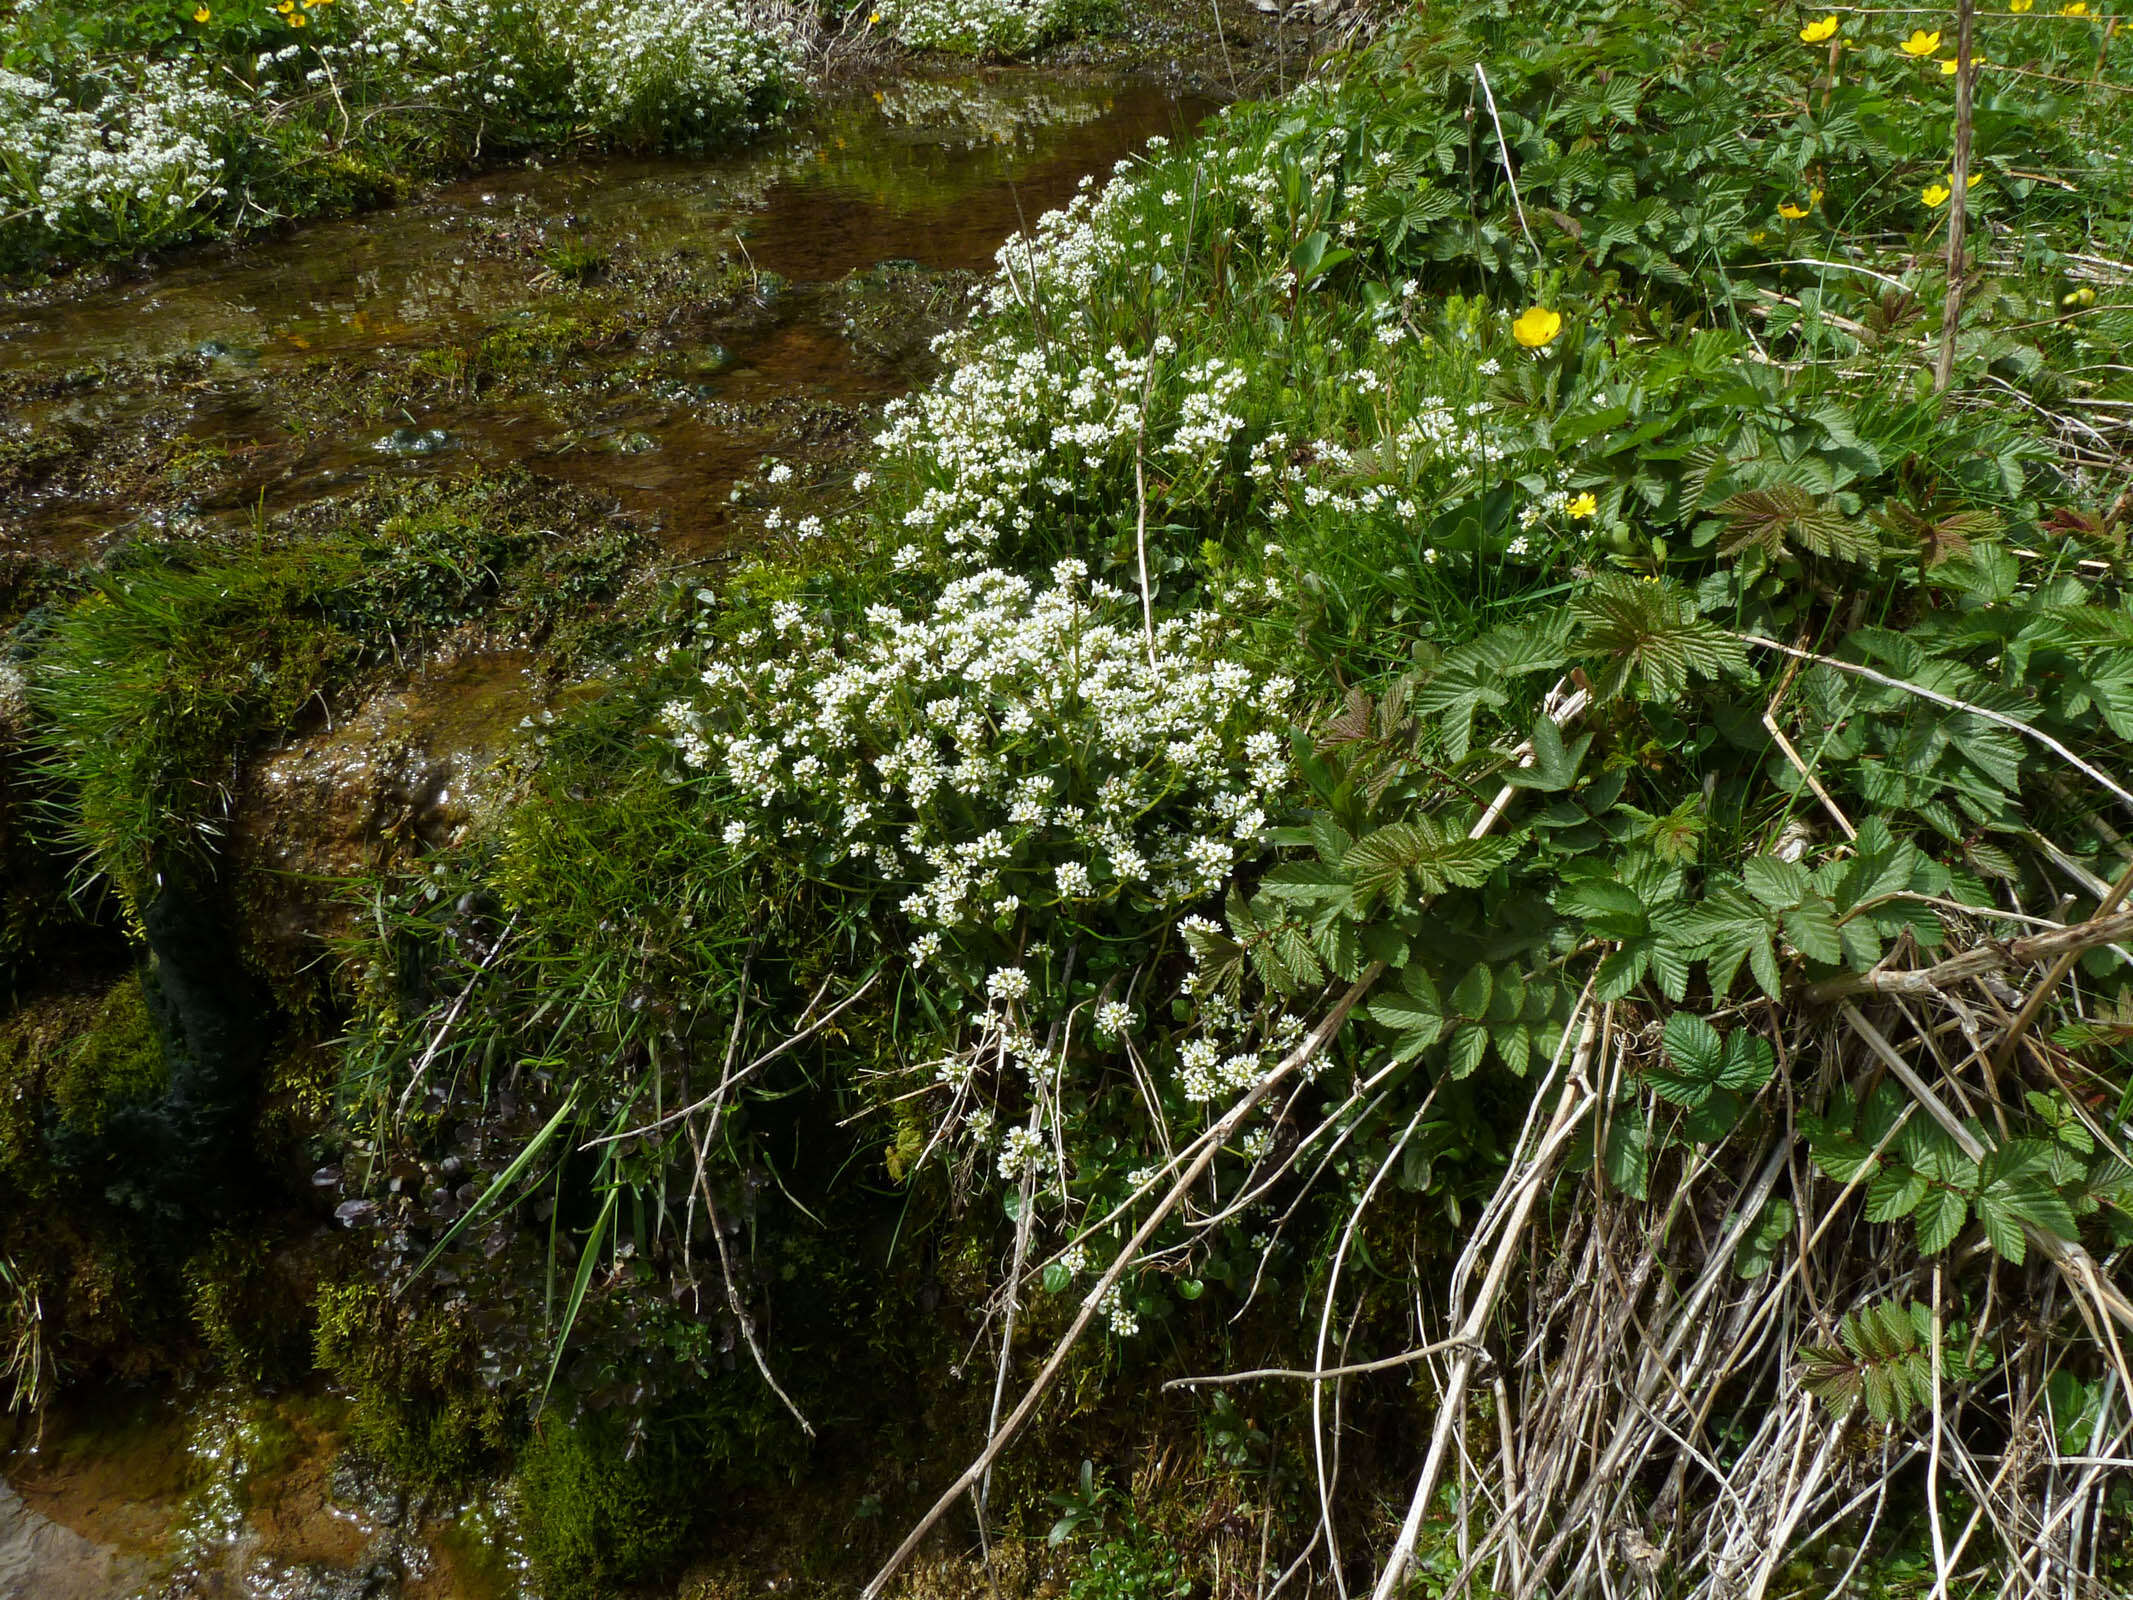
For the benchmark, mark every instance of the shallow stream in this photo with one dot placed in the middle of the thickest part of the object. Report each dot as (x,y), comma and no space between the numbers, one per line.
(648,331)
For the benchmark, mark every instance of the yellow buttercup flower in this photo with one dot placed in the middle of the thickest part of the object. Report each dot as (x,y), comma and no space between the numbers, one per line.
(1971,181)
(2020,6)
(1818,31)
(1921,43)
(1536,326)
(1791,212)
(202,14)
(1584,507)
(1948,68)
(2080,8)
(299,21)
(1936,195)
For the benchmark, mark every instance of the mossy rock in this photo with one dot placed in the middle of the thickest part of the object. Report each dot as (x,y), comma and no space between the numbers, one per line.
(599,1513)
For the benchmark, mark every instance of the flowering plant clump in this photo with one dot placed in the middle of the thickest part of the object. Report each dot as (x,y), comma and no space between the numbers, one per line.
(1019,770)
(1022,757)
(648,72)
(981,27)
(126,161)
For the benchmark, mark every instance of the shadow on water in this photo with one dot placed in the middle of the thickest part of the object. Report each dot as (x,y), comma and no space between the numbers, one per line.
(930,175)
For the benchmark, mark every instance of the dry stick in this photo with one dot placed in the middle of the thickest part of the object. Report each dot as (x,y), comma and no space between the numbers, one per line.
(415,1080)
(1503,152)
(1313,1042)
(740,1313)
(1977,961)
(1022,1232)
(2119,793)
(1325,1322)
(1959,208)
(1940,1538)
(1576,1100)
(2024,1018)
(1801,767)
(1308,1375)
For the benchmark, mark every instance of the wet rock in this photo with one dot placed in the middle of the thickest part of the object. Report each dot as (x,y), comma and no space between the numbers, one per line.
(359,1483)
(40,1560)
(407,772)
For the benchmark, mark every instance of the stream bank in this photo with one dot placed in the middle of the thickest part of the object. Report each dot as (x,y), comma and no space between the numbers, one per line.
(566,394)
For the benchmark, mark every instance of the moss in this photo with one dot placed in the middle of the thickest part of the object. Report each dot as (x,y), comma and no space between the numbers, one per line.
(417,1401)
(119,1062)
(599,1514)
(241,1290)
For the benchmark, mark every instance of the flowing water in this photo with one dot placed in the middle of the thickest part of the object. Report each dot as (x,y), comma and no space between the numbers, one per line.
(750,305)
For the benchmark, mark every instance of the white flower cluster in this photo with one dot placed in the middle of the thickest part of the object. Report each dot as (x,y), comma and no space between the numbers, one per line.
(128,166)
(652,67)
(1008,747)
(462,55)
(979,27)
(1015,432)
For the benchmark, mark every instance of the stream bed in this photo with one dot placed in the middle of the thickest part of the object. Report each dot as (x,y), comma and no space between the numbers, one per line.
(646,332)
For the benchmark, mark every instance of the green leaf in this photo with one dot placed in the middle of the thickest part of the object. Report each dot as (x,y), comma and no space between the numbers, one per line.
(1694,1057)
(1554,767)
(1940,1217)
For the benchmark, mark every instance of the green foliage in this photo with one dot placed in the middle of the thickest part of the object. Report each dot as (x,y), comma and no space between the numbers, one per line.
(1886,1358)
(601,1511)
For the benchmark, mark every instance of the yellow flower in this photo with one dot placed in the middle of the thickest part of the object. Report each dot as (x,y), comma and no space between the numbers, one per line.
(1921,43)
(1817,32)
(1936,195)
(1971,181)
(202,14)
(1791,212)
(1536,326)
(1948,68)
(299,21)
(1584,507)
(286,7)
(2020,6)
(1814,197)
(2080,8)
